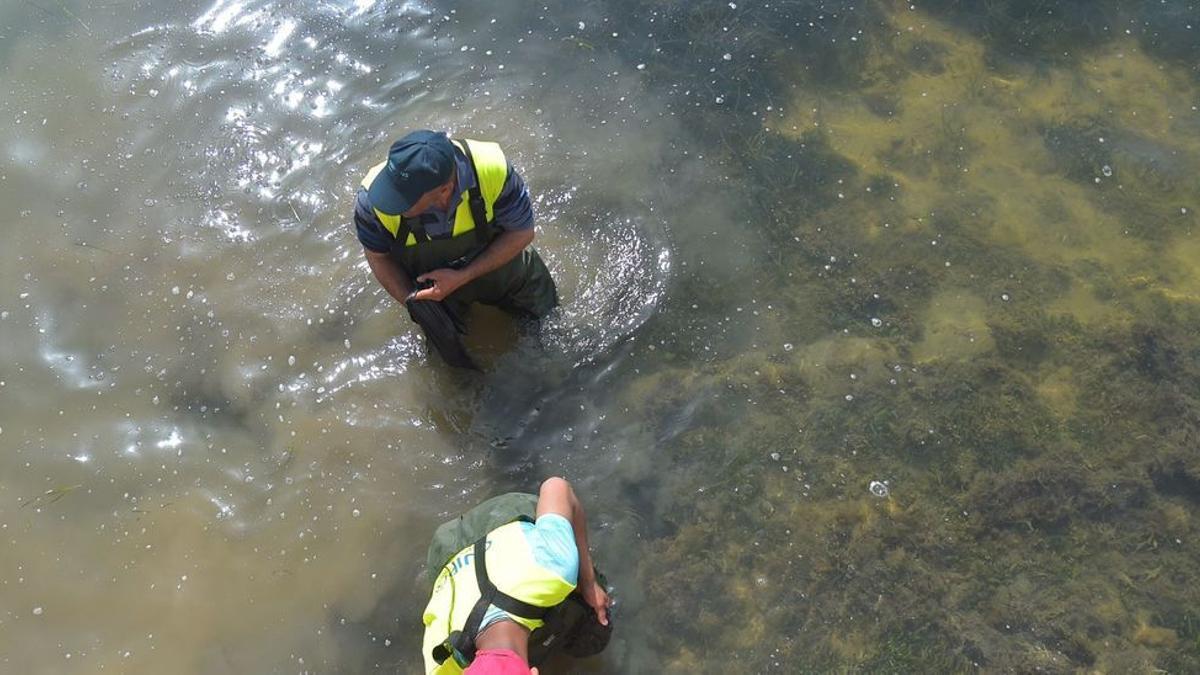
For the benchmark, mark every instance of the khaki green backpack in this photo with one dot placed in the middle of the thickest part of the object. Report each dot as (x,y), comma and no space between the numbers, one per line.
(455,535)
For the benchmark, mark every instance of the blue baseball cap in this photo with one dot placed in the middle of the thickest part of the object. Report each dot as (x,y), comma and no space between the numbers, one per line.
(416,164)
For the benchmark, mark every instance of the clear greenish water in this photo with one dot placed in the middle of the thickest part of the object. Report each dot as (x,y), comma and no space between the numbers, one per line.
(878,350)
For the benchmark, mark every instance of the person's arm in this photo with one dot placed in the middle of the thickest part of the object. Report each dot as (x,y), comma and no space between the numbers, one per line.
(376,243)
(446,280)
(556,496)
(388,274)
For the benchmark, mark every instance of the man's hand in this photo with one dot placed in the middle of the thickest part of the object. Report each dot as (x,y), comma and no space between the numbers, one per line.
(445,281)
(596,598)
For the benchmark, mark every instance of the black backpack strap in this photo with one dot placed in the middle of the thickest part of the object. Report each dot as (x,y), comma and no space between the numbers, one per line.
(499,598)
(442,651)
(483,227)
(415,227)
(402,233)
(463,641)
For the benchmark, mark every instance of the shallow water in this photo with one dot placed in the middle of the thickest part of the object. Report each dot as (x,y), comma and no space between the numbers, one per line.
(804,249)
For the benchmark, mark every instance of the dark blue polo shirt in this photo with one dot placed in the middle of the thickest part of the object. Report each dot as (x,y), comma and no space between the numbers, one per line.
(512,211)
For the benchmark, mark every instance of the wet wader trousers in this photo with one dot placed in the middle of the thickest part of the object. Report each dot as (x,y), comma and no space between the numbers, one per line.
(522,286)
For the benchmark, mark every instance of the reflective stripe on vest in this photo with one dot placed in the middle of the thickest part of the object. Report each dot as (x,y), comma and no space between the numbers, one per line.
(491,171)
(511,567)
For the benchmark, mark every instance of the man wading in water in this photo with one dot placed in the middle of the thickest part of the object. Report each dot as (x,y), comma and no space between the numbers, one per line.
(450,221)
(508,589)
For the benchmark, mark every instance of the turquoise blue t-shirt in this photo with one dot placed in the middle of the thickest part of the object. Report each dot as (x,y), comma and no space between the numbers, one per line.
(552,540)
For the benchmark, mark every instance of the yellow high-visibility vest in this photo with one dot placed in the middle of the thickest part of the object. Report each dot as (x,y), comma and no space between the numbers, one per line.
(514,571)
(491,170)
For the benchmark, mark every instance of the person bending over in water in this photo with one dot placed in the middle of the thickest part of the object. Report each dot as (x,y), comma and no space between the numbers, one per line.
(524,586)
(451,221)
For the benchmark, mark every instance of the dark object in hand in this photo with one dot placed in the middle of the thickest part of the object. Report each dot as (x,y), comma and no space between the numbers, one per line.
(571,626)
(443,328)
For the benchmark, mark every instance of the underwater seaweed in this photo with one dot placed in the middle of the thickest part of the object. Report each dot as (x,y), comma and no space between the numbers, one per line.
(986,310)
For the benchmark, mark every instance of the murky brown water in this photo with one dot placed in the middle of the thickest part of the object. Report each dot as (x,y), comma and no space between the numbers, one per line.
(801,248)
(223,447)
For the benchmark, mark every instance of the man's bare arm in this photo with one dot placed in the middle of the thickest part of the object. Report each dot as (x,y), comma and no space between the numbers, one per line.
(557,496)
(389,274)
(502,249)
(505,247)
